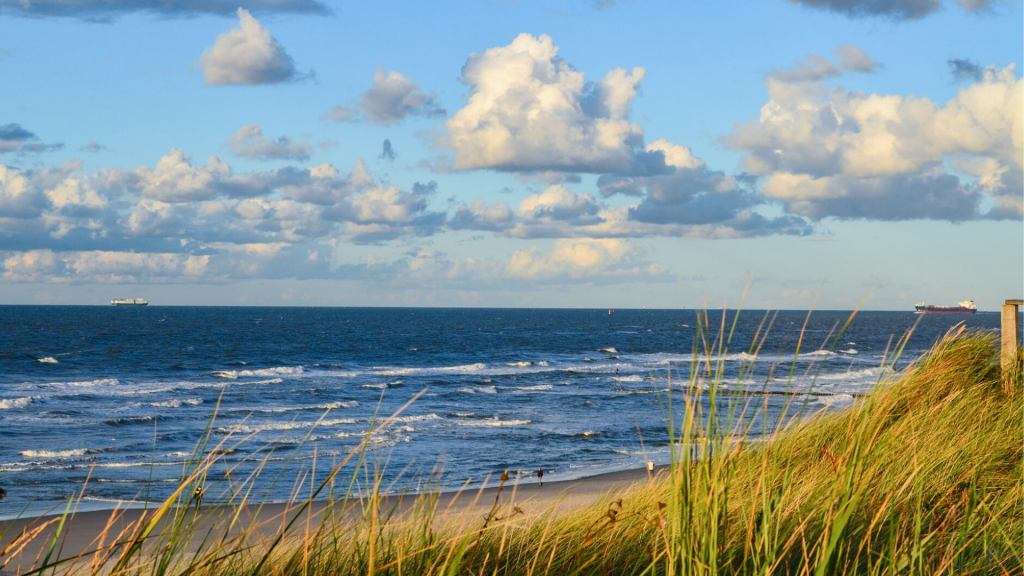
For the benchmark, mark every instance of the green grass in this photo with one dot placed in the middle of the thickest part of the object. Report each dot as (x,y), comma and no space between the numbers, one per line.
(924,476)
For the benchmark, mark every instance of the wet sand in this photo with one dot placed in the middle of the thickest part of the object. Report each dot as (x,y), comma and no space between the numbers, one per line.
(85,530)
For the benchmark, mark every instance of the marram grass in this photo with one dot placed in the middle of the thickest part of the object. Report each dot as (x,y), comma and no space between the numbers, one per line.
(924,476)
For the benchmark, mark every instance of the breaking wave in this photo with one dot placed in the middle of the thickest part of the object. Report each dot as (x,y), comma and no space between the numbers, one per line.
(494,422)
(47,360)
(14,403)
(280,370)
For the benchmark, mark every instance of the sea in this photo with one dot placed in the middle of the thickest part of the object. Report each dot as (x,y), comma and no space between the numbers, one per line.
(106,406)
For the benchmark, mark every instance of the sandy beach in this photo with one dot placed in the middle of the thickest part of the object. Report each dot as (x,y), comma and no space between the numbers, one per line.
(86,531)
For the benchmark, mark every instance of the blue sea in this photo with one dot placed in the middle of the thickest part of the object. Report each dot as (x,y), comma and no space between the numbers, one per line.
(122,396)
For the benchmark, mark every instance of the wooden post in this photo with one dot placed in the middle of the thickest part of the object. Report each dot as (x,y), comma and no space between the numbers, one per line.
(1011,341)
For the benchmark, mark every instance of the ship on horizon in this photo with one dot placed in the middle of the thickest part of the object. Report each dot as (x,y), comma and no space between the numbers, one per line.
(129,302)
(965,307)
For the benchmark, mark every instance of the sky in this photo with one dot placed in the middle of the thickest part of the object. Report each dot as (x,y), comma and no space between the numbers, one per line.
(782,154)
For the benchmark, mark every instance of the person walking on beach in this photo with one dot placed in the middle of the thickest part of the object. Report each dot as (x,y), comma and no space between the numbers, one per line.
(540,476)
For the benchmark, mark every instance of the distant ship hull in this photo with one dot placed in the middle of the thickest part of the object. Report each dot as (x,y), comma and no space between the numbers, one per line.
(965,307)
(132,302)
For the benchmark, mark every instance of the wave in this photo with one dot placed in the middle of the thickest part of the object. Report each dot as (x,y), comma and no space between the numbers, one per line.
(481,389)
(420,418)
(128,420)
(176,403)
(633,378)
(462,414)
(47,360)
(494,422)
(14,403)
(476,367)
(850,351)
(377,386)
(609,350)
(280,370)
(98,382)
(537,388)
(836,400)
(271,426)
(522,364)
(54,453)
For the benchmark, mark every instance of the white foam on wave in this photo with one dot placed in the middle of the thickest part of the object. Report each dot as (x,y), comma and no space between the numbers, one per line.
(89,383)
(849,351)
(609,350)
(836,400)
(435,370)
(297,425)
(818,353)
(522,364)
(280,370)
(633,378)
(377,386)
(480,389)
(537,388)
(494,422)
(177,403)
(53,453)
(47,360)
(421,418)
(867,374)
(14,403)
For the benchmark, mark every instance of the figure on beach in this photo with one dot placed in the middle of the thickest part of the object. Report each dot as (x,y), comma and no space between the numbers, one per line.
(197,495)
(540,476)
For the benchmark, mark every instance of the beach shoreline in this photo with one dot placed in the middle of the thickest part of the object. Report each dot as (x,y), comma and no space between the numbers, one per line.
(556,497)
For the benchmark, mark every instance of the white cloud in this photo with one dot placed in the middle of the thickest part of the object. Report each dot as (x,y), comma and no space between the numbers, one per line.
(176,179)
(246,55)
(102,267)
(604,260)
(249,142)
(391,99)
(853,155)
(814,68)
(528,110)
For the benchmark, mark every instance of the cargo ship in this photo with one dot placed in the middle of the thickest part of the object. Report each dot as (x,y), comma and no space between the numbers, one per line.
(129,302)
(965,307)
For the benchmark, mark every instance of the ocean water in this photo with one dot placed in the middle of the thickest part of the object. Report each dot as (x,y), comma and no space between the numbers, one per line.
(122,396)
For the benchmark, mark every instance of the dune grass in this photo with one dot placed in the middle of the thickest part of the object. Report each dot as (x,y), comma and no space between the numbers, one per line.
(923,476)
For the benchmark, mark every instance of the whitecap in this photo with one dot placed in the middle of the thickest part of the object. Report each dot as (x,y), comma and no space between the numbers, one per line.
(280,370)
(609,350)
(47,360)
(377,386)
(176,403)
(494,422)
(522,364)
(14,403)
(633,378)
(421,418)
(306,425)
(836,400)
(542,363)
(850,351)
(53,453)
(538,388)
(481,389)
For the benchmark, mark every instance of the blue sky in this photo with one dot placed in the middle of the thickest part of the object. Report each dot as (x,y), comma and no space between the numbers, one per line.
(594,154)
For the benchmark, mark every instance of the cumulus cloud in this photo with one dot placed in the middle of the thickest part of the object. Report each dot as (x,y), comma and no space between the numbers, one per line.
(62,222)
(530,111)
(246,55)
(249,142)
(825,152)
(894,9)
(672,210)
(390,99)
(104,10)
(14,138)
